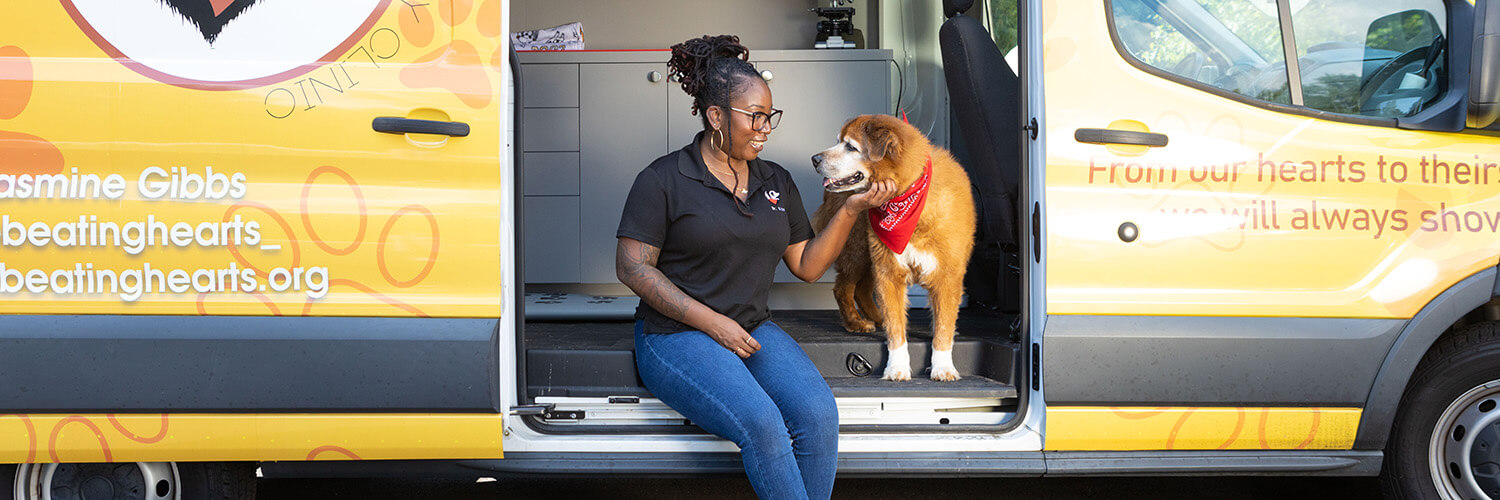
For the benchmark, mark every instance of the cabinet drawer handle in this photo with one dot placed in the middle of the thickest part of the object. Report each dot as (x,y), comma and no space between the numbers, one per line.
(653,77)
(766,75)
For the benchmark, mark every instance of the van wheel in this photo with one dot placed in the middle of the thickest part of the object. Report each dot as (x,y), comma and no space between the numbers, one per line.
(129,480)
(1446,441)
(133,480)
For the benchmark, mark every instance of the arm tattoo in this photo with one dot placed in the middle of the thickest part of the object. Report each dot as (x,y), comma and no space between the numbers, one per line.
(635,266)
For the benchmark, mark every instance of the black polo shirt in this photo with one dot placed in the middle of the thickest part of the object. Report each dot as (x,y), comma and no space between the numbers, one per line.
(714,253)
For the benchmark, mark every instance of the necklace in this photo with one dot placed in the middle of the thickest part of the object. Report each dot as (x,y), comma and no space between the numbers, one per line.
(731,173)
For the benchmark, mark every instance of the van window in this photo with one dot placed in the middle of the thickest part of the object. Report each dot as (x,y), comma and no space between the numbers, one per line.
(1370,57)
(1004,23)
(1233,45)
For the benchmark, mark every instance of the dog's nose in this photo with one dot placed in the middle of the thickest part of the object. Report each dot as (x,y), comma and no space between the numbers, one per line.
(817,159)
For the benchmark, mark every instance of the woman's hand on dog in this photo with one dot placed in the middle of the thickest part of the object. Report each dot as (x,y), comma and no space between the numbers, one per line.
(729,334)
(879,193)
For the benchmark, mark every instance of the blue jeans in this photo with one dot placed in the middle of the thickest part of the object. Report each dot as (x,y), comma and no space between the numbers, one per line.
(774,405)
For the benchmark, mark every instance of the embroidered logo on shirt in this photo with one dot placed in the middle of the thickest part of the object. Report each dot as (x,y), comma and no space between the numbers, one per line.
(775,198)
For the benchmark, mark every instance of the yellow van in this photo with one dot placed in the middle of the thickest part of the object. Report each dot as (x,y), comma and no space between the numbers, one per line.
(365,237)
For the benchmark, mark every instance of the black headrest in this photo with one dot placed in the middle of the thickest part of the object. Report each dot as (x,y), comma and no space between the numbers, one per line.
(955,7)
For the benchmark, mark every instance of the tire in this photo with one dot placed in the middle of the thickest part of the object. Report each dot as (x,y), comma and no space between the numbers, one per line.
(7,481)
(1446,439)
(217,480)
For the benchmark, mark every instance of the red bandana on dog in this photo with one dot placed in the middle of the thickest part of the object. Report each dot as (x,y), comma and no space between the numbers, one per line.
(896,220)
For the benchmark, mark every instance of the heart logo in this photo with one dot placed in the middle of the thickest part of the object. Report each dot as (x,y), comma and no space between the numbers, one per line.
(209,16)
(188,43)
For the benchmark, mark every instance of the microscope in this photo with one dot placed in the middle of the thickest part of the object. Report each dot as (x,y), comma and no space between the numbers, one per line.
(836,29)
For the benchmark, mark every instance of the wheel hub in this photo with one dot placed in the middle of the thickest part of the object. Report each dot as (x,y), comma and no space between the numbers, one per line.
(1464,453)
(111,481)
(1484,459)
(97,482)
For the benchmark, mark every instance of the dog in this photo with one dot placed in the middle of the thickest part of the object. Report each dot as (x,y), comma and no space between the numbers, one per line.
(872,275)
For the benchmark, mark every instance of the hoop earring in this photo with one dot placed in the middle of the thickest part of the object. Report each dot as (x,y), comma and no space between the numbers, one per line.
(717,134)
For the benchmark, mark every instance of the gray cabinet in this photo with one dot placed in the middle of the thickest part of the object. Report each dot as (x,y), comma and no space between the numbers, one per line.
(593,120)
(624,123)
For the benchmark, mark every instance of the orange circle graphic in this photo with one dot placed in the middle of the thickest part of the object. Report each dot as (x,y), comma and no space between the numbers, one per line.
(490,16)
(1172,437)
(1239,425)
(417,31)
(162,434)
(1313,432)
(454,12)
(385,233)
(331,448)
(15,81)
(371,292)
(291,237)
(1265,417)
(359,197)
(30,434)
(98,434)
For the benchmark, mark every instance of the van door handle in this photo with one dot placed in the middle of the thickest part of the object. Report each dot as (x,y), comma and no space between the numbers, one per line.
(1113,136)
(395,125)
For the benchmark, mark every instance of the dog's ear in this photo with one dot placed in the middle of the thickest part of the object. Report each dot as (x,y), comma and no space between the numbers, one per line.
(880,141)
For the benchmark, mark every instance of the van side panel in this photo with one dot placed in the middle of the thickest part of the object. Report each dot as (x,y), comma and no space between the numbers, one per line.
(228,214)
(232,166)
(1262,257)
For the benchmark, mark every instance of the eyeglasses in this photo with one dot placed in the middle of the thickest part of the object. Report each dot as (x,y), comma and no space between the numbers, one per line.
(759,119)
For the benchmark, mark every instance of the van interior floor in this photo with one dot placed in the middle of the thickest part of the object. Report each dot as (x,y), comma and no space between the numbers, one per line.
(595,359)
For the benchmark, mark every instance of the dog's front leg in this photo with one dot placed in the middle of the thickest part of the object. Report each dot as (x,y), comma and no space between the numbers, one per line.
(898,362)
(944,296)
(892,296)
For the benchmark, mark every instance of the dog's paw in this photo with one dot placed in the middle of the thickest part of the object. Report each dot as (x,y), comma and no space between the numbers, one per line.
(942,366)
(945,374)
(897,373)
(860,326)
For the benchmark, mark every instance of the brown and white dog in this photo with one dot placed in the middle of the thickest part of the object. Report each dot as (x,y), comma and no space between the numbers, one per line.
(878,147)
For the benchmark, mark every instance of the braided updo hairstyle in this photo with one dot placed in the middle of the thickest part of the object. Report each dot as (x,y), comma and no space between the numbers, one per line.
(711,69)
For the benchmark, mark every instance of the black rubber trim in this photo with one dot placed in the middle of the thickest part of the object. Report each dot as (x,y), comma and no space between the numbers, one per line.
(394,125)
(518,222)
(1112,136)
(184,364)
(1214,463)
